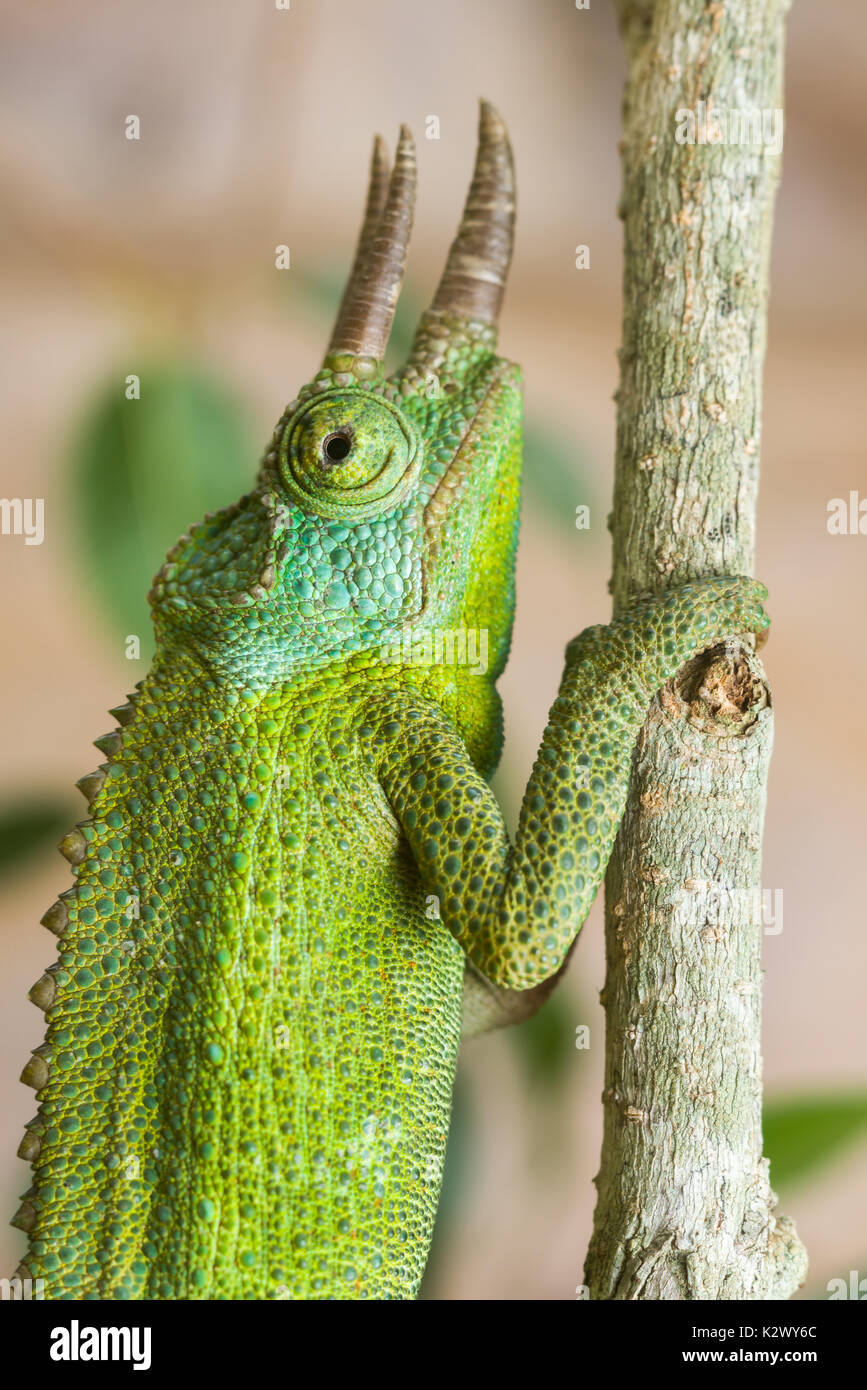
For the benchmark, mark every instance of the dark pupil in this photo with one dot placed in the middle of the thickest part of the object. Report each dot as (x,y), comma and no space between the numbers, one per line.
(336,447)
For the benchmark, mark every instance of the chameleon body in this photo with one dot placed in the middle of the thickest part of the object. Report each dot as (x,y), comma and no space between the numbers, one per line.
(294,868)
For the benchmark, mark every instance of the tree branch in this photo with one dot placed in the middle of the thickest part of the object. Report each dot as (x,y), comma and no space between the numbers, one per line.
(684,1208)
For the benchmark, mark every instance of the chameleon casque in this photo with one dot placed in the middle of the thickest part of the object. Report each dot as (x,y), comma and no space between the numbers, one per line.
(254,1019)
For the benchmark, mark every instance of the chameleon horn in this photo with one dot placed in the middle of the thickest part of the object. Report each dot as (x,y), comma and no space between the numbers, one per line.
(377,191)
(369,301)
(474,279)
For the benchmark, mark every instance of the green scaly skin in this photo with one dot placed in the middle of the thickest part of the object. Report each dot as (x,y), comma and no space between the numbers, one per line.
(255,1016)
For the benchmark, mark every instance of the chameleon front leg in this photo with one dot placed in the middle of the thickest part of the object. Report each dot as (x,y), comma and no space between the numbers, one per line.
(516,909)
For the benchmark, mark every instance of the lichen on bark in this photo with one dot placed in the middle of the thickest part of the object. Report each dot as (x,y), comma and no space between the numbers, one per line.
(685,1209)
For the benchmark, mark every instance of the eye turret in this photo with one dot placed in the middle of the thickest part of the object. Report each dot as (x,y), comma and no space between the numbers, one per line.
(349,454)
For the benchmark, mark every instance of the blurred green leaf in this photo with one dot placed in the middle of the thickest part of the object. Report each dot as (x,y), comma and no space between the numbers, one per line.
(409,311)
(803,1133)
(321,289)
(143,471)
(546,1042)
(556,477)
(28,827)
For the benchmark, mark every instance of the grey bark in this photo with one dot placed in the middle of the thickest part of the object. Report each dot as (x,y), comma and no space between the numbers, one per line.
(685,1209)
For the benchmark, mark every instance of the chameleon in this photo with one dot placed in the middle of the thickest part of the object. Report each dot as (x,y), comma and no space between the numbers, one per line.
(294,890)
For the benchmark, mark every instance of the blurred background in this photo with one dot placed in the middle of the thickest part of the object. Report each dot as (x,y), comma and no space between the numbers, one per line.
(156,257)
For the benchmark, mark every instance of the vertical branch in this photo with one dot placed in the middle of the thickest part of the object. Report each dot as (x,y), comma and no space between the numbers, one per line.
(684,1208)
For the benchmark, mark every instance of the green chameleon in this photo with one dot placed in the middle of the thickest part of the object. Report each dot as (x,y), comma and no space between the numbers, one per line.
(295,884)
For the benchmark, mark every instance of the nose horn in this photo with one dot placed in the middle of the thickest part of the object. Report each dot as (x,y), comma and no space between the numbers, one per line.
(367,308)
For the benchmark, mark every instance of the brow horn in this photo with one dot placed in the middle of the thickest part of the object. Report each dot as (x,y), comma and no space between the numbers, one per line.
(366,311)
(377,190)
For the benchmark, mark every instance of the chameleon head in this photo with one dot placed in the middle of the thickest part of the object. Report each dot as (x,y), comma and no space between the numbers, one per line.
(386,506)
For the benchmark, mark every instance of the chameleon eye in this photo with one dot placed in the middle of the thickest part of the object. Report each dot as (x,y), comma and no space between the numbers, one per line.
(349,454)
